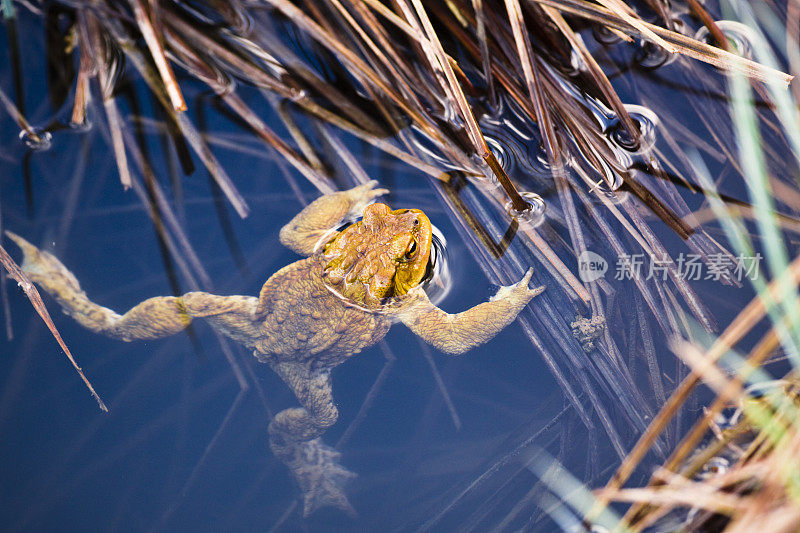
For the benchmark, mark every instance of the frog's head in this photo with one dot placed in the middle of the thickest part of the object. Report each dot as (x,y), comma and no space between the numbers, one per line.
(383,255)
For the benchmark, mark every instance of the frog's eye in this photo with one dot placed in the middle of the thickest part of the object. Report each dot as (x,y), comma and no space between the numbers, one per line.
(416,222)
(411,251)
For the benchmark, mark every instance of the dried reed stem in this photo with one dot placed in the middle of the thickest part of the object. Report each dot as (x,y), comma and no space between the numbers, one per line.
(741,325)
(36,300)
(683,45)
(153,41)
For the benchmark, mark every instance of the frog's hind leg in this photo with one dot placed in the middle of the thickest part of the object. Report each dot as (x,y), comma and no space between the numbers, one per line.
(153,318)
(294,436)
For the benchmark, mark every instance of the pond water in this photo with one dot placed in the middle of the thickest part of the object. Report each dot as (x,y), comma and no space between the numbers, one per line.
(444,443)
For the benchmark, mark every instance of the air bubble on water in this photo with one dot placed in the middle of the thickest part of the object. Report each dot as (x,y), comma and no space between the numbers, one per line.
(533,215)
(486,175)
(646,122)
(652,56)
(499,152)
(605,36)
(36,140)
(739,36)
(86,125)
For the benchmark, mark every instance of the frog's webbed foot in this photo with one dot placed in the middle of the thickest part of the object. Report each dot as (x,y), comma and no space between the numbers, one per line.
(321,477)
(44,268)
(295,439)
(518,292)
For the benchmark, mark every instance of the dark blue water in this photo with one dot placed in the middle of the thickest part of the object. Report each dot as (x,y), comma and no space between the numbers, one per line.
(184,446)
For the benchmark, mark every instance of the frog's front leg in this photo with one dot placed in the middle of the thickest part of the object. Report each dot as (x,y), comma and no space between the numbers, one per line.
(309,226)
(295,438)
(456,334)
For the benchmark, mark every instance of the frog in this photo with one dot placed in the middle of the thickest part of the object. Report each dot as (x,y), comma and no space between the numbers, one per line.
(354,282)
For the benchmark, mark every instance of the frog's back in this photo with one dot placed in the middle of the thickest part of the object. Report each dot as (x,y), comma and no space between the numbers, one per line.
(303,320)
